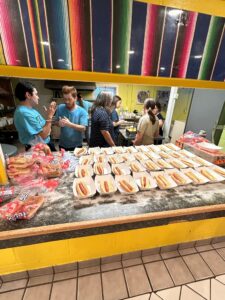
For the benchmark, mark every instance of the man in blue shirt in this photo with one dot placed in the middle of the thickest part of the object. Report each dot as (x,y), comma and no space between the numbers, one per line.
(31,126)
(72,119)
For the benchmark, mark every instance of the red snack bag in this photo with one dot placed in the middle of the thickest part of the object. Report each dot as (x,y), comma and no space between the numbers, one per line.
(11,208)
(31,205)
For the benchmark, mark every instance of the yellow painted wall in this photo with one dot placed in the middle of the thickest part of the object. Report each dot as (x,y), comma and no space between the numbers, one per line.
(222,140)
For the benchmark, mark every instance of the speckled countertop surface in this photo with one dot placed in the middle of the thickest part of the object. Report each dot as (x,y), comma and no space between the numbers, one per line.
(61,207)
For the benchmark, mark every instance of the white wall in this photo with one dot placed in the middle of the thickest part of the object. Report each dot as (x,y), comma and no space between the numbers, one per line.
(205,110)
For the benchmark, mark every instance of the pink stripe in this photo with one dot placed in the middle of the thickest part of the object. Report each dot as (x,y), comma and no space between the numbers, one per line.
(187,44)
(150,36)
(8,40)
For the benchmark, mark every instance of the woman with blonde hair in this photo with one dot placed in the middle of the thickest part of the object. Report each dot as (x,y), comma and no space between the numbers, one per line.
(148,125)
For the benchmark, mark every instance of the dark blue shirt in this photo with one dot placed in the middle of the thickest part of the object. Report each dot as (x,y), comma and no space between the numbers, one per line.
(115,118)
(100,120)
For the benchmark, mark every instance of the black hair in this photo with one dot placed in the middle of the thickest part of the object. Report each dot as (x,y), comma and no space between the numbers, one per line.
(116,99)
(80,100)
(150,105)
(22,88)
(158,105)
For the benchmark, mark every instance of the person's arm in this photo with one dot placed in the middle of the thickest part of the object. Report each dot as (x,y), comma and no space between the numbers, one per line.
(46,130)
(161,120)
(115,124)
(107,137)
(66,122)
(138,139)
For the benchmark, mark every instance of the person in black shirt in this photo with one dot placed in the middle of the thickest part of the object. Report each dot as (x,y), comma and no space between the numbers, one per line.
(116,103)
(102,131)
(161,122)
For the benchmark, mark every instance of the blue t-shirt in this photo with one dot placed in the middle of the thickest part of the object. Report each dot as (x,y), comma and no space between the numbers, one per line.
(29,123)
(115,118)
(69,137)
(86,105)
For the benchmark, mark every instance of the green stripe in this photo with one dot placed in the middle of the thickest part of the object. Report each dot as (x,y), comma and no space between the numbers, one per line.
(122,16)
(211,47)
(39,34)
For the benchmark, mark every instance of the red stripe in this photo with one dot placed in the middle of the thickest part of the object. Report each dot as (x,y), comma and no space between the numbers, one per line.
(187,43)
(150,36)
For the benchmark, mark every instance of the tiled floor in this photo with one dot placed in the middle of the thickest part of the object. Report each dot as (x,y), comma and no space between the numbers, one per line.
(194,273)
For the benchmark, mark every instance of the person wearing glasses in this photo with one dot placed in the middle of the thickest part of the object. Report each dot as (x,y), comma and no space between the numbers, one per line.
(72,119)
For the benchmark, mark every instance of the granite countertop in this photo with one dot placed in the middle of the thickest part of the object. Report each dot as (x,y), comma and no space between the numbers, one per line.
(61,207)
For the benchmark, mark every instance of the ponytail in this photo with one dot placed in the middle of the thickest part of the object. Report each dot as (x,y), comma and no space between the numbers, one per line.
(151,116)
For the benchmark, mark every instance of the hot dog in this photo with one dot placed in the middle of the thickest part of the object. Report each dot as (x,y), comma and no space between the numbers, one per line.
(113,160)
(117,171)
(126,186)
(175,154)
(187,162)
(176,164)
(162,181)
(134,167)
(138,156)
(193,177)
(151,165)
(177,178)
(99,169)
(80,151)
(207,174)
(164,155)
(106,186)
(162,163)
(82,189)
(82,173)
(219,171)
(145,183)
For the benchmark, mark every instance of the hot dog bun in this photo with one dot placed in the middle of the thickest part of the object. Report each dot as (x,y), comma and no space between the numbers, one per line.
(162,181)
(126,186)
(207,174)
(145,182)
(99,170)
(117,171)
(106,186)
(219,171)
(193,177)
(82,189)
(134,167)
(112,160)
(177,178)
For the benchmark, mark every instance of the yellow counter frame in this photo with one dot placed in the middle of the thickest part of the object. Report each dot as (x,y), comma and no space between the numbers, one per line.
(38,73)
(85,248)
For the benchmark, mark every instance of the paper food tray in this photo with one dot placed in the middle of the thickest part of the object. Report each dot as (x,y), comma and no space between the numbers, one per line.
(154,148)
(140,156)
(186,179)
(187,153)
(100,158)
(88,171)
(152,183)
(127,157)
(218,170)
(164,155)
(210,174)
(135,166)
(130,149)
(202,179)
(99,181)
(153,155)
(86,160)
(164,148)
(176,163)
(121,168)
(94,150)
(116,158)
(142,148)
(202,161)
(78,152)
(172,147)
(163,164)
(190,162)
(102,168)
(107,151)
(118,149)
(88,183)
(158,178)
(150,165)
(130,180)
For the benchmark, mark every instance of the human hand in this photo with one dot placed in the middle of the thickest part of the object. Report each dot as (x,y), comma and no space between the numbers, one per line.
(121,122)
(51,109)
(64,122)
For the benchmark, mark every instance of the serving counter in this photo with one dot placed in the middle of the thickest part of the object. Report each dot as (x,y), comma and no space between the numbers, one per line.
(66,229)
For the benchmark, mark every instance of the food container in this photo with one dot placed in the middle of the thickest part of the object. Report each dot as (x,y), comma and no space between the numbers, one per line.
(105,184)
(144,181)
(86,160)
(209,147)
(120,169)
(172,147)
(195,176)
(210,174)
(130,149)
(119,149)
(107,150)
(84,187)
(176,154)
(164,155)
(83,171)
(127,157)
(178,177)
(190,162)
(94,150)
(163,180)
(218,170)
(164,148)
(142,148)
(100,158)
(135,166)
(126,184)
(102,168)
(202,161)
(78,152)
(152,155)
(186,153)
(163,164)
(154,148)
(115,159)
(150,165)
(176,163)
(140,156)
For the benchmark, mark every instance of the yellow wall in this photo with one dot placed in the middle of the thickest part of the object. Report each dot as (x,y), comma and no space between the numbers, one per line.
(182,104)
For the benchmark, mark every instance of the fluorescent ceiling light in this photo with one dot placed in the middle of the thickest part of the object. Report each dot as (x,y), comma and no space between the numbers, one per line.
(117,66)
(45,43)
(162,68)
(175,12)
(198,56)
(131,51)
(60,60)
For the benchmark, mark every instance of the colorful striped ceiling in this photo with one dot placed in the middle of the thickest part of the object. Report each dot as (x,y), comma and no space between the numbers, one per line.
(113,36)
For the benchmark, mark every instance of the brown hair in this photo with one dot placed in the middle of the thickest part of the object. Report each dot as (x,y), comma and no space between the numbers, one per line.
(104,100)
(149,104)
(69,89)
(116,99)
(80,100)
